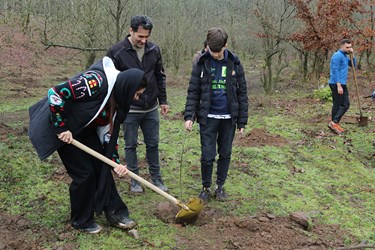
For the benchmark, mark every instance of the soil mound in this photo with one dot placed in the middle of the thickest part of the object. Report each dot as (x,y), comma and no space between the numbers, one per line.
(259,137)
(264,231)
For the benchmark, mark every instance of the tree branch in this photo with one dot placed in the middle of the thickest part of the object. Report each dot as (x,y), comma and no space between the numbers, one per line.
(49,44)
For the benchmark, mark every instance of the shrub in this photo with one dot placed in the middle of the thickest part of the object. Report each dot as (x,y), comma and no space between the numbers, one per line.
(323,94)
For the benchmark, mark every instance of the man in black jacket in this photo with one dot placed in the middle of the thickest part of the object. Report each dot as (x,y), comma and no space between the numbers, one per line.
(135,51)
(217,98)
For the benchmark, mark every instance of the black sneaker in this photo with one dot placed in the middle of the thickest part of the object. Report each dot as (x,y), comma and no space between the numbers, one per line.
(92,228)
(120,221)
(135,187)
(220,194)
(160,185)
(205,195)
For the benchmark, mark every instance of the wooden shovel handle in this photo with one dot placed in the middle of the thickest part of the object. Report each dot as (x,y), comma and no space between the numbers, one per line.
(131,174)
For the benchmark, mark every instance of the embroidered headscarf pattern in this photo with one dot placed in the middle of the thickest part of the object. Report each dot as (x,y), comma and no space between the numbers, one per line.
(79,87)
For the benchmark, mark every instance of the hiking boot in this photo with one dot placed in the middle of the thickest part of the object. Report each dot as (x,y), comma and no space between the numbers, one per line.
(120,221)
(205,195)
(135,187)
(336,128)
(159,183)
(92,228)
(220,194)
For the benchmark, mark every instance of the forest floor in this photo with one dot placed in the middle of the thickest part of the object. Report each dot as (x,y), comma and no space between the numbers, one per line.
(28,70)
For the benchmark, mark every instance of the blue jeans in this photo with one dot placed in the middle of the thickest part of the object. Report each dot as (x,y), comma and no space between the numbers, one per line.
(149,124)
(222,133)
(340,102)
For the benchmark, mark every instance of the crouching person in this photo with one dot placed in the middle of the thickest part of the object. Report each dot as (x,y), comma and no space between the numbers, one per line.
(89,107)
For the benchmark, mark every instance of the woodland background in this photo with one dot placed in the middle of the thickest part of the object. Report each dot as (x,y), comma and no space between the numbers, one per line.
(289,37)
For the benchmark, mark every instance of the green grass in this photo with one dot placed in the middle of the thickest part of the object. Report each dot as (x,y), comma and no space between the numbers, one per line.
(337,179)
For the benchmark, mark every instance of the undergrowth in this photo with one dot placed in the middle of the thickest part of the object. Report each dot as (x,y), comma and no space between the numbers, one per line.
(330,175)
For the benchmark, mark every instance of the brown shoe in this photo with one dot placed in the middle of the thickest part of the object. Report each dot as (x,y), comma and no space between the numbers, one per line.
(336,128)
(340,128)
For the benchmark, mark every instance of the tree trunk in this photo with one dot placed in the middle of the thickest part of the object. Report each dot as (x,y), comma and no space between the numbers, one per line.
(268,81)
(305,68)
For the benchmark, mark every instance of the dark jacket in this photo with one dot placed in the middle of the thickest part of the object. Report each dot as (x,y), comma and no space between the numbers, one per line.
(125,57)
(198,101)
(41,132)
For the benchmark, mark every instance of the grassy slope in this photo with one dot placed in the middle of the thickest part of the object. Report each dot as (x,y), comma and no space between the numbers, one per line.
(335,182)
(338,179)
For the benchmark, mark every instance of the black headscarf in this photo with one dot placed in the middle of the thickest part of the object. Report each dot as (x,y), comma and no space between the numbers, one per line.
(127,83)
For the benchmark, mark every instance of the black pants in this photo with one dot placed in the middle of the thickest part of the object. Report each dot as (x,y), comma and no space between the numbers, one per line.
(220,132)
(93,187)
(340,102)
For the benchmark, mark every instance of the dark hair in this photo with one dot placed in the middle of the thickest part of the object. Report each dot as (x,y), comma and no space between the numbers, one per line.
(205,44)
(345,41)
(144,21)
(216,39)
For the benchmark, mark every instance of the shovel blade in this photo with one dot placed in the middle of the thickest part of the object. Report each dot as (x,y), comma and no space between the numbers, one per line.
(195,206)
(362,121)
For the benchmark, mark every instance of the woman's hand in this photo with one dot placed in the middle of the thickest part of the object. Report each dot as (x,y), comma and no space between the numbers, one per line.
(66,136)
(121,170)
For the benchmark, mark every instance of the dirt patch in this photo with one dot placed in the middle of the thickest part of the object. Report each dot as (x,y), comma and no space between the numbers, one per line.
(213,230)
(318,118)
(26,62)
(18,233)
(179,116)
(6,130)
(60,175)
(166,212)
(13,234)
(261,232)
(258,138)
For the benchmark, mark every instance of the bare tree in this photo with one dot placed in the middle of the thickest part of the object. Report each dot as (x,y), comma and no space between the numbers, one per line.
(272,18)
(81,27)
(119,11)
(174,30)
(365,30)
(323,26)
(255,27)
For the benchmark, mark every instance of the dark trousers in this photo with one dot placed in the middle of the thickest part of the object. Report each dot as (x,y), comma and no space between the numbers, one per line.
(149,124)
(340,102)
(92,187)
(221,132)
